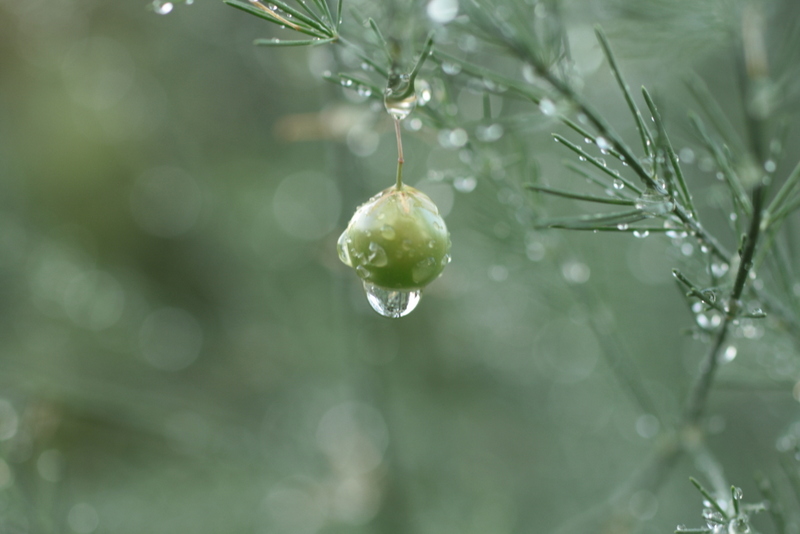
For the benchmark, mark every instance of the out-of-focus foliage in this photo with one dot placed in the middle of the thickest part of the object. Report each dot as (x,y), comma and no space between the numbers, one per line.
(182,351)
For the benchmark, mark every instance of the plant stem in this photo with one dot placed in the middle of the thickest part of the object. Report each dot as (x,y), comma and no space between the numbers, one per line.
(400,160)
(702,388)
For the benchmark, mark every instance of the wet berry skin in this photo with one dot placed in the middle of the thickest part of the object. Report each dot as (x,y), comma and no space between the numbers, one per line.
(396,240)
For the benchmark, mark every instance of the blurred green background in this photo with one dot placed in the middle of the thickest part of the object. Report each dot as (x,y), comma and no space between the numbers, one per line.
(182,351)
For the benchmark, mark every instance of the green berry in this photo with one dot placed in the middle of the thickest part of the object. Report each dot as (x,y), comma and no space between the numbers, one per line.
(396,240)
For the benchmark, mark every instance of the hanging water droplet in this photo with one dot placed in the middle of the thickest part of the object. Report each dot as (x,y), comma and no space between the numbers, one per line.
(391,303)
(641,234)
(364,91)
(618,184)
(161,7)
(728,355)
(581,158)
(697,307)
(400,97)
(367,67)
(622,227)
(547,107)
(377,255)
(738,494)
(347,82)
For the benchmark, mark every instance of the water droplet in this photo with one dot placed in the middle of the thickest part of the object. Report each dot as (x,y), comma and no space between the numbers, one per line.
(399,98)
(581,158)
(391,303)
(388,232)
(738,525)
(728,355)
(547,107)
(718,270)
(377,255)
(712,517)
(424,93)
(587,140)
(641,234)
(364,91)
(622,227)
(442,11)
(451,68)
(489,134)
(770,166)
(363,272)
(738,494)
(686,155)
(687,249)
(423,269)
(654,204)
(618,184)
(347,82)
(161,7)
(343,250)
(603,144)
(465,184)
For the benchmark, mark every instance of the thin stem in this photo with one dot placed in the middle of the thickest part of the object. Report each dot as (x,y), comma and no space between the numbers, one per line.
(702,387)
(400,159)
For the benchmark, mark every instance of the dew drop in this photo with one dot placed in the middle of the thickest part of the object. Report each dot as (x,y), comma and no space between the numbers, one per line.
(342,249)
(377,255)
(719,269)
(770,166)
(618,184)
(738,494)
(622,227)
(712,517)
(641,234)
(603,144)
(728,355)
(424,93)
(391,303)
(547,107)
(465,184)
(161,7)
(388,232)
(364,91)
(451,68)
(347,82)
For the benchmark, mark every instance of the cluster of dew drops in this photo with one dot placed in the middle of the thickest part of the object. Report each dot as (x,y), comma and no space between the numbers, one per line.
(717,523)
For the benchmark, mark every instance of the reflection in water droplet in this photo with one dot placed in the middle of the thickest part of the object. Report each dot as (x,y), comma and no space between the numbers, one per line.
(391,303)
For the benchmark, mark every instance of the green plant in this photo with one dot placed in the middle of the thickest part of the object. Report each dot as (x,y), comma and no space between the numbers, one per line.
(646,187)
